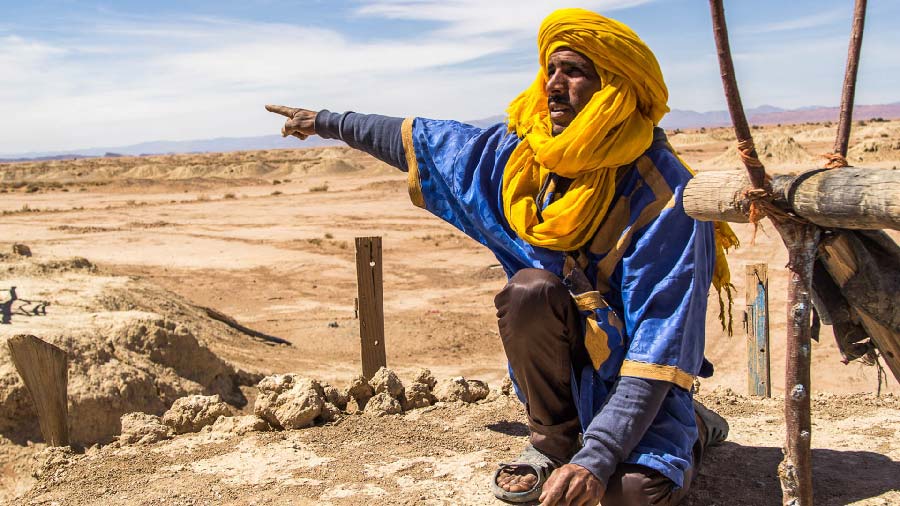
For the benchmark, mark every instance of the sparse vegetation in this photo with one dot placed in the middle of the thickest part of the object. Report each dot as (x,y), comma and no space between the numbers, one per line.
(229,196)
(320,188)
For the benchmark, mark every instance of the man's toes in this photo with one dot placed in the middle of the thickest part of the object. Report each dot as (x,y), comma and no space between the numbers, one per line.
(516,481)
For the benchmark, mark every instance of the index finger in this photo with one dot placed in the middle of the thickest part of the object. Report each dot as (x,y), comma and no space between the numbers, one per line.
(282,110)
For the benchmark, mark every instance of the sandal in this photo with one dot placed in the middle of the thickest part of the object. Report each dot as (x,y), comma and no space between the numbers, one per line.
(716,426)
(531,457)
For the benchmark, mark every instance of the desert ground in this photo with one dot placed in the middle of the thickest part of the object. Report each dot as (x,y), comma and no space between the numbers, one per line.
(129,251)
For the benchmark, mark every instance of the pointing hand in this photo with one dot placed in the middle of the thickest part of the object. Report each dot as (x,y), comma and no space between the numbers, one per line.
(301,123)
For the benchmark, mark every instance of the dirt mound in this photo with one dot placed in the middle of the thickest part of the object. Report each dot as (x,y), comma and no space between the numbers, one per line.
(131,346)
(679,139)
(875,150)
(774,151)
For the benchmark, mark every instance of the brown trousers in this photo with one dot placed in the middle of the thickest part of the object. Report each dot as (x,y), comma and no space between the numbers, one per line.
(542,335)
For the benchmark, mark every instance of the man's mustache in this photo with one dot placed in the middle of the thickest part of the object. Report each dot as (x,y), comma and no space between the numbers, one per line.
(558,99)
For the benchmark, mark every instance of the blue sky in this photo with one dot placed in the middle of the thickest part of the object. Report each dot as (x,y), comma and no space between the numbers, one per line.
(77,74)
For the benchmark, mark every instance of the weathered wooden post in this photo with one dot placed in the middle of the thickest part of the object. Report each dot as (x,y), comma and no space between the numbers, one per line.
(842,139)
(758,361)
(371,306)
(44,370)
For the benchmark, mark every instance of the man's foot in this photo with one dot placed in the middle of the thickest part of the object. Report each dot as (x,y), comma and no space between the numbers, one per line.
(522,480)
(714,428)
(516,478)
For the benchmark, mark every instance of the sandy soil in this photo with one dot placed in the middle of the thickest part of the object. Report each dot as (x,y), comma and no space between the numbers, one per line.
(267,238)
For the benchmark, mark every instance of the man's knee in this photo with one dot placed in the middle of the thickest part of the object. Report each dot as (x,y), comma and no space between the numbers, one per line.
(531,288)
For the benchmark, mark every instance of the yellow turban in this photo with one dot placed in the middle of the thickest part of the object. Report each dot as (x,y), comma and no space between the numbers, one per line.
(613,129)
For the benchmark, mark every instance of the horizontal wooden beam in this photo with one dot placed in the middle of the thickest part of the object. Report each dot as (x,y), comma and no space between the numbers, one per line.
(851,198)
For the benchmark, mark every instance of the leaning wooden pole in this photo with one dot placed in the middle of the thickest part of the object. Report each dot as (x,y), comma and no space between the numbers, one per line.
(801,239)
(44,370)
(846,119)
(755,169)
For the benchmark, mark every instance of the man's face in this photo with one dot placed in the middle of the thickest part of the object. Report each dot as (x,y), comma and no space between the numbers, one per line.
(571,82)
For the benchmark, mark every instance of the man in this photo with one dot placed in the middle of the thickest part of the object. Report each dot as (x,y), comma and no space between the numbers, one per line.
(579,198)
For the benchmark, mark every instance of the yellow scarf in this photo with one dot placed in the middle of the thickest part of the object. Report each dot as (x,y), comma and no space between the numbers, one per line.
(613,129)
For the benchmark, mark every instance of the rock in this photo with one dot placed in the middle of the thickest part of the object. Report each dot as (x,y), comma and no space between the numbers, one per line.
(506,388)
(240,425)
(425,377)
(330,413)
(383,404)
(459,389)
(192,413)
(417,395)
(288,401)
(386,381)
(141,428)
(21,250)
(336,397)
(360,391)
(477,390)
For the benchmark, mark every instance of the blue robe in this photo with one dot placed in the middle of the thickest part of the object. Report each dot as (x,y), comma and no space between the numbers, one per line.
(649,263)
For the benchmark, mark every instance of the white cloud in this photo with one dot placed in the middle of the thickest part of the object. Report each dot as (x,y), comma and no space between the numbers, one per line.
(128,81)
(804,22)
(478,17)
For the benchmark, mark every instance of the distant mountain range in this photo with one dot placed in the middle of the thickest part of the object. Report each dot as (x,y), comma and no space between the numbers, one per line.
(769,115)
(763,115)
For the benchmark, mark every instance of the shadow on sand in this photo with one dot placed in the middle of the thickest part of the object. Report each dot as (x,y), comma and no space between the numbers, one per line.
(738,475)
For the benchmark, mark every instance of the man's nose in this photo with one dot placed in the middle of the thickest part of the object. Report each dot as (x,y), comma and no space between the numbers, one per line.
(556,83)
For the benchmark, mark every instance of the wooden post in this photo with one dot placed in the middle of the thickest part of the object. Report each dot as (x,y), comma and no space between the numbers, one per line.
(842,138)
(371,307)
(43,368)
(795,471)
(758,370)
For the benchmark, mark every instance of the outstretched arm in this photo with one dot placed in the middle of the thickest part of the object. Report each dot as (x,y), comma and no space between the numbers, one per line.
(379,136)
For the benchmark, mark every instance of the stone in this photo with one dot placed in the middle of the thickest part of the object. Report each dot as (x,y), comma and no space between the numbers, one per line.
(383,404)
(386,381)
(360,390)
(21,250)
(240,425)
(330,413)
(288,401)
(192,413)
(506,387)
(417,395)
(460,389)
(425,377)
(336,397)
(142,428)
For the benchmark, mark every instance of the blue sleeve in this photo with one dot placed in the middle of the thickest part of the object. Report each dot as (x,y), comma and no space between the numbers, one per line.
(665,279)
(456,174)
(377,135)
(619,426)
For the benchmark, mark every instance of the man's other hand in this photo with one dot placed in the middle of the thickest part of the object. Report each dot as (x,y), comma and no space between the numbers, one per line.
(572,485)
(301,123)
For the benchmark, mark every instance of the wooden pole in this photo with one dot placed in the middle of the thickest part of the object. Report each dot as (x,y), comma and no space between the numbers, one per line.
(850,198)
(371,306)
(43,368)
(758,361)
(756,170)
(795,471)
(846,119)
